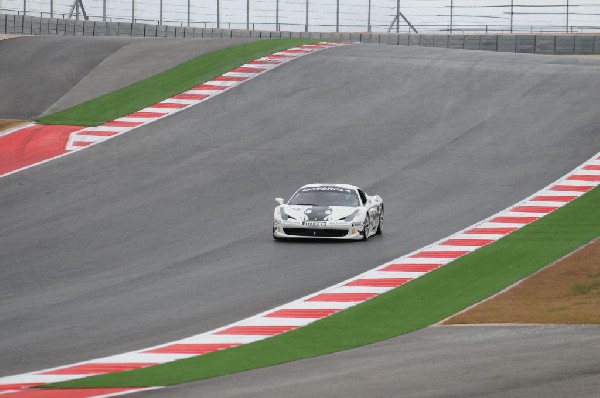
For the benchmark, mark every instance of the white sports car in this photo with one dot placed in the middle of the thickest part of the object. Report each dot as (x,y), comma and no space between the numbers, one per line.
(337,211)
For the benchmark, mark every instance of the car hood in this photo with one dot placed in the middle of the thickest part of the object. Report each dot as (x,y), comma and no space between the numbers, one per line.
(318,213)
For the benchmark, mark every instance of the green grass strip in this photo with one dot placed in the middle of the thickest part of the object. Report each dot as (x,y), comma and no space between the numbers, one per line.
(166,84)
(415,305)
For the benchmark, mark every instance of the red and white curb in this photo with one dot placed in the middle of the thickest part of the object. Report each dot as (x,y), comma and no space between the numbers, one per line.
(196,95)
(65,140)
(336,298)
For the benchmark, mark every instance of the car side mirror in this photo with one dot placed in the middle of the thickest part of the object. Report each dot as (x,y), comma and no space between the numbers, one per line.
(279,201)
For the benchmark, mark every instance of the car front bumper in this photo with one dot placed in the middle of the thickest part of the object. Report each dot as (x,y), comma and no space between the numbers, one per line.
(327,230)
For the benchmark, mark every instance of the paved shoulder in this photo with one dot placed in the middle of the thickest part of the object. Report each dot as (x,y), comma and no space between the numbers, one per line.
(39,71)
(138,60)
(464,361)
(36,71)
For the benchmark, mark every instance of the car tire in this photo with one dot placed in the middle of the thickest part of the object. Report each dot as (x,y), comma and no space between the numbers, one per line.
(365,232)
(380,226)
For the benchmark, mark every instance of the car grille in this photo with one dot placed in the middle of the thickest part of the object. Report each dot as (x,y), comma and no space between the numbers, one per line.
(315,232)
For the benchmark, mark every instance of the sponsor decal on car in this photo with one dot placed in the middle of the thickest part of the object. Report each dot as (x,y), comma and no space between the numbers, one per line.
(314,223)
(335,189)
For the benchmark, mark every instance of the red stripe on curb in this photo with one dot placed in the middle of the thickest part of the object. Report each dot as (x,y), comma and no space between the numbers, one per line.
(118,123)
(584,177)
(263,62)
(71,393)
(20,386)
(514,220)
(592,167)
(572,188)
(534,209)
(257,330)
(229,78)
(467,242)
(439,254)
(146,114)
(384,282)
(97,368)
(168,105)
(209,87)
(81,143)
(33,144)
(491,231)
(553,198)
(342,297)
(279,56)
(190,96)
(245,69)
(302,313)
(198,349)
(98,133)
(411,267)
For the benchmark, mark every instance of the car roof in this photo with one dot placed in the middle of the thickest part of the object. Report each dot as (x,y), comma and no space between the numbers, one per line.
(347,186)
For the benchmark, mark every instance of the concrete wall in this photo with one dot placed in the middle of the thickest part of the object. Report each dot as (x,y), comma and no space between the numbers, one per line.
(534,44)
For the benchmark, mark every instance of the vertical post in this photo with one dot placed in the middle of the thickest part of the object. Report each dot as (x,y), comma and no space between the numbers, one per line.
(397,16)
(103,10)
(189,8)
(369,18)
(451,15)
(337,16)
(512,14)
(24,7)
(160,12)
(132,11)
(306,22)
(218,14)
(247,14)
(277,15)
(51,8)
(567,16)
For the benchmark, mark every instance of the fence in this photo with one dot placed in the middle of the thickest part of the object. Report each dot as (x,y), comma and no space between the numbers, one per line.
(444,16)
(534,44)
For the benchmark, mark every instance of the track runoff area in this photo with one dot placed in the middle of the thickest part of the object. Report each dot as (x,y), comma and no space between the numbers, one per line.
(294,315)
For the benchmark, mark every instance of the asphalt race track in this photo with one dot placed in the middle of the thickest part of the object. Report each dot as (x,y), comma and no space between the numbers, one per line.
(165,232)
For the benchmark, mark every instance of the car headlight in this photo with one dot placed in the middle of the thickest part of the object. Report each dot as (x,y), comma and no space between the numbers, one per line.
(351,216)
(284,215)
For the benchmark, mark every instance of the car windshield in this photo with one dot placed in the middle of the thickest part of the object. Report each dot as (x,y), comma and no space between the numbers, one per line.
(325,196)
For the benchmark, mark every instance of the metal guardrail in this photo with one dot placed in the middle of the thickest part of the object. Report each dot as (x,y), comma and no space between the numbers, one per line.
(534,44)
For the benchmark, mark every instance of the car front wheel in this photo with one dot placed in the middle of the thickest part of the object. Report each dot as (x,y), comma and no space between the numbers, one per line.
(380,226)
(366,228)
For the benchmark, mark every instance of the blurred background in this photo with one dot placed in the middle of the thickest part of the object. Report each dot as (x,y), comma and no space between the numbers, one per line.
(442,16)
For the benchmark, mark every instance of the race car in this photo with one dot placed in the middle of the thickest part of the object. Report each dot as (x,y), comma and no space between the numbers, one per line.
(336,211)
